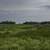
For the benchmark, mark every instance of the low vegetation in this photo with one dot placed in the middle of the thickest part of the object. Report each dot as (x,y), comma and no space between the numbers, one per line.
(24,37)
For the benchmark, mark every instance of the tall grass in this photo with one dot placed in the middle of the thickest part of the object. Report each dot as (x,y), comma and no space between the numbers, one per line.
(24,37)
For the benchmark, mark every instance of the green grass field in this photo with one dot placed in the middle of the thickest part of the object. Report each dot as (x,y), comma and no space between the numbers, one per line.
(24,37)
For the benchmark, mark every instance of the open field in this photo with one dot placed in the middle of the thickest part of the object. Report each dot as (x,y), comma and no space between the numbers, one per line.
(24,37)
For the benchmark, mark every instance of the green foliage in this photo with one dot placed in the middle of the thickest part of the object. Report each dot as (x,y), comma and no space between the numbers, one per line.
(24,37)
(7,22)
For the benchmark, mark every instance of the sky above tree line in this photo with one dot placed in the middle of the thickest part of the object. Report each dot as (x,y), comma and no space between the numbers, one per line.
(24,10)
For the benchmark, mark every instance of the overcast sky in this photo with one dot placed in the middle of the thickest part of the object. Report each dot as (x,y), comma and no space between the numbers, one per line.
(25,10)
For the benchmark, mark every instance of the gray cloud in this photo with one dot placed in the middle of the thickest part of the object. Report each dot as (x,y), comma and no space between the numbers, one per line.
(21,4)
(25,10)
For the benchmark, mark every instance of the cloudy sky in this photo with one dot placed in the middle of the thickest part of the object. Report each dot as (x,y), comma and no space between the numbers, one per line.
(24,10)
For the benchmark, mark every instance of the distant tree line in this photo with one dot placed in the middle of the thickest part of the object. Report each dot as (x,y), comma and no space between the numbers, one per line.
(45,22)
(11,22)
(31,23)
(7,22)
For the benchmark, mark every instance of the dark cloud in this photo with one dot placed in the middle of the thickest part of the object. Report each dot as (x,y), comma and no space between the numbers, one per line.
(47,6)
